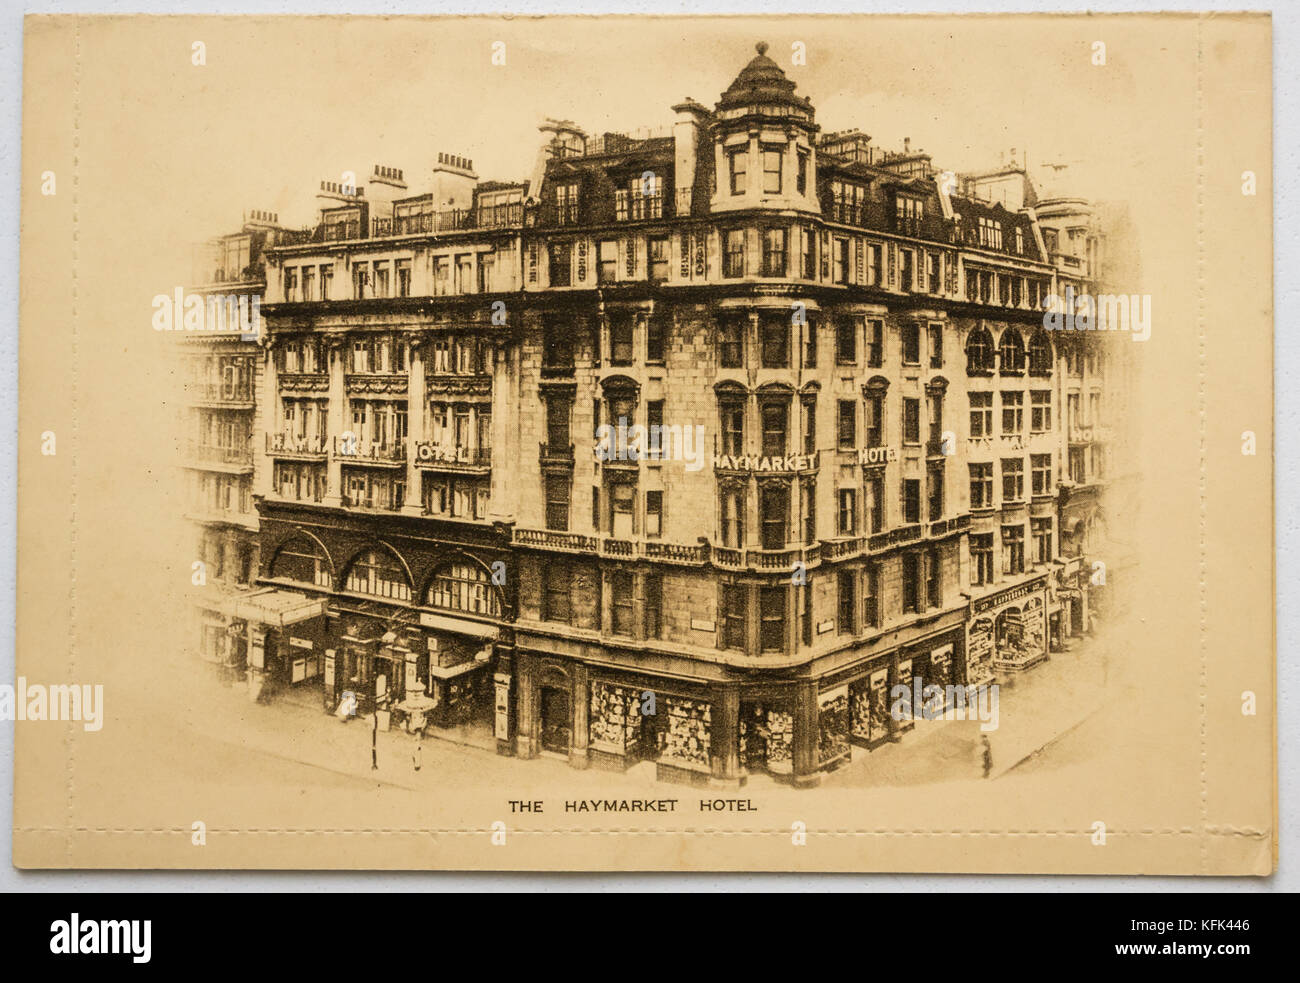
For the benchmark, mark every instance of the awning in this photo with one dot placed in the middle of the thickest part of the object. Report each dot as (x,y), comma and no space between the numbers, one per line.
(276,608)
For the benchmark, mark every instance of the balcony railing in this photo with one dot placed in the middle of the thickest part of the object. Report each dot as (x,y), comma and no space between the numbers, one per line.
(569,542)
(556,454)
(220,392)
(676,552)
(216,454)
(450,457)
(370,502)
(310,446)
(349,447)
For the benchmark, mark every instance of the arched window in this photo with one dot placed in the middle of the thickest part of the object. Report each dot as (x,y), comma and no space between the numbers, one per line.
(302,561)
(379,574)
(979,352)
(1011,349)
(464,587)
(1040,353)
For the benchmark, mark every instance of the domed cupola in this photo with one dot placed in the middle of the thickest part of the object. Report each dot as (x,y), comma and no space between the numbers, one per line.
(761,83)
(764,142)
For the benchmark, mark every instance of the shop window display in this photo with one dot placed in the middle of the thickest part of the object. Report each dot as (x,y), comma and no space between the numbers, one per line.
(832,725)
(766,739)
(869,708)
(686,738)
(615,718)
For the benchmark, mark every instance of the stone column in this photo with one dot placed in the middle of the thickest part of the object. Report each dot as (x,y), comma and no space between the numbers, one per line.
(806,724)
(526,714)
(416,422)
(581,696)
(724,739)
(266,419)
(507,472)
(337,416)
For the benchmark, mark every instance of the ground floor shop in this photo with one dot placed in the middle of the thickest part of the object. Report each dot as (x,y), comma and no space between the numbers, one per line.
(1007,631)
(721,731)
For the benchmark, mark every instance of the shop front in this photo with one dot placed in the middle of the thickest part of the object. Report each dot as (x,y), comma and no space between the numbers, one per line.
(284,632)
(1007,631)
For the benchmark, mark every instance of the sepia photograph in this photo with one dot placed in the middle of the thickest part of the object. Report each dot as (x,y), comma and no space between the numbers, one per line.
(646,443)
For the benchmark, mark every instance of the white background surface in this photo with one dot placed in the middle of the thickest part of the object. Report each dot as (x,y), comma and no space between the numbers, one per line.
(1286,28)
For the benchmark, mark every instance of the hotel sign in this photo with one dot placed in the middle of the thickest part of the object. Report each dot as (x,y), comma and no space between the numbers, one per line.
(791,462)
(877,455)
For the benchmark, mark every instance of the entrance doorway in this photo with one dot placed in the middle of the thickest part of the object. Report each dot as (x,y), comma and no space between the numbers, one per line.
(555,719)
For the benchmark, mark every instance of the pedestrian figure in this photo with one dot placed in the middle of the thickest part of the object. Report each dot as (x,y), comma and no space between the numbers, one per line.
(986,753)
(417,758)
(374,742)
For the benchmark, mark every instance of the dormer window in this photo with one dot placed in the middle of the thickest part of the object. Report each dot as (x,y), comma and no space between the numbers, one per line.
(910,211)
(566,203)
(643,198)
(772,158)
(737,163)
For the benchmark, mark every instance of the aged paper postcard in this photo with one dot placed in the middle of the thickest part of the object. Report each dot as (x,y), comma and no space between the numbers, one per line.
(628,443)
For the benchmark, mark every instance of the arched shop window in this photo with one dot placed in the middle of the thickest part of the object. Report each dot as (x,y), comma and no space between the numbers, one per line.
(379,574)
(464,587)
(304,562)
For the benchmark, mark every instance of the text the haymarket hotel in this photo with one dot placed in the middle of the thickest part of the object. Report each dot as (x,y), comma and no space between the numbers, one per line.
(400,498)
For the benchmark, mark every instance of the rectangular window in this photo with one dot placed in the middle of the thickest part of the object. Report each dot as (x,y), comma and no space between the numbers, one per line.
(557,345)
(912,582)
(981,558)
(774,509)
(566,203)
(775,427)
(935,477)
(809,254)
(911,500)
(809,498)
(848,512)
(732,602)
(875,343)
(403,278)
(810,343)
(1013,549)
(607,261)
(906,270)
(557,502)
(875,269)
(776,342)
(846,341)
(772,158)
(876,489)
(620,339)
(654,420)
(657,247)
(848,602)
(981,415)
(847,427)
(1041,473)
(734,260)
(654,514)
(873,423)
(561,263)
(731,343)
(771,612)
(654,606)
(981,486)
(1013,413)
(774,252)
(935,284)
(733,429)
(871,596)
(381,280)
(1013,480)
(1042,530)
(810,428)
(841,260)
(556,603)
(733,518)
(1040,411)
(620,590)
(737,162)
(801,173)
(654,338)
(935,332)
(910,332)
(911,420)
(934,578)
